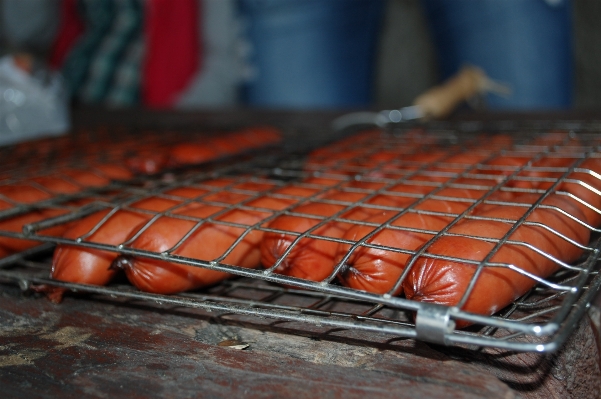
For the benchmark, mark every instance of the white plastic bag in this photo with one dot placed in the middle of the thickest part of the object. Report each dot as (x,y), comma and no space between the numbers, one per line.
(32,104)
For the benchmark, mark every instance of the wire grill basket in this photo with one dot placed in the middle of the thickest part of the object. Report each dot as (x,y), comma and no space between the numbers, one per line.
(387,173)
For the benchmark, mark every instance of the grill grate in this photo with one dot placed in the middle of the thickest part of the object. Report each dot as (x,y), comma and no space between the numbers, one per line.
(367,168)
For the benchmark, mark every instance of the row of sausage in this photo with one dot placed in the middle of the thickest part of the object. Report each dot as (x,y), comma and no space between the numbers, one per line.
(139,153)
(29,193)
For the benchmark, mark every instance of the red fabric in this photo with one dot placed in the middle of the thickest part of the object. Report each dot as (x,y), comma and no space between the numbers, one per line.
(70,30)
(172,50)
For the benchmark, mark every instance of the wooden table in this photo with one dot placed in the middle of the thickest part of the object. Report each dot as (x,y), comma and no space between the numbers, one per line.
(100,347)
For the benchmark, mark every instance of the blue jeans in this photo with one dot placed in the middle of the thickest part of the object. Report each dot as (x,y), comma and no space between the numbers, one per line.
(311,53)
(524,43)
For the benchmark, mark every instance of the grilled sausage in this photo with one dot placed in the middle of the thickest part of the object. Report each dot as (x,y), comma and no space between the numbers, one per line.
(256,137)
(66,181)
(208,242)
(310,258)
(375,269)
(232,143)
(147,162)
(314,258)
(445,281)
(111,171)
(15,225)
(82,265)
(86,178)
(24,194)
(57,184)
(192,153)
(584,187)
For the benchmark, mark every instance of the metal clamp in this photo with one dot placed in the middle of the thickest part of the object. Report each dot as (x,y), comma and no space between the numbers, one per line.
(433,323)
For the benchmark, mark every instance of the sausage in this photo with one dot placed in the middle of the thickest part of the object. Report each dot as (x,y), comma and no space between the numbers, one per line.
(310,258)
(95,175)
(503,166)
(229,144)
(89,266)
(377,270)
(579,186)
(46,187)
(257,137)
(82,265)
(225,145)
(445,281)
(337,161)
(5,205)
(208,242)
(24,194)
(111,171)
(494,142)
(15,225)
(353,143)
(314,258)
(86,265)
(85,178)
(582,185)
(147,162)
(478,181)
(448,200)
(56,184)
(42,188)
(192,153)
(407,161)
(186,192)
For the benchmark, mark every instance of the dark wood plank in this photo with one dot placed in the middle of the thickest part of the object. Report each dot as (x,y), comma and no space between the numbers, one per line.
(99,348)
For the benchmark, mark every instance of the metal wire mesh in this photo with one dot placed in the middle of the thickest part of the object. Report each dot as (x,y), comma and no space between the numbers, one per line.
(390,174)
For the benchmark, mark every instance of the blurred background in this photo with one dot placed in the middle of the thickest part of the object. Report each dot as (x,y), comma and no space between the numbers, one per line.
(306,54)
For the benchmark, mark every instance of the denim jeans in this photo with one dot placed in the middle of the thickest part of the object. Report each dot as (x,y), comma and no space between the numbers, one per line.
(311,53)
(524,43)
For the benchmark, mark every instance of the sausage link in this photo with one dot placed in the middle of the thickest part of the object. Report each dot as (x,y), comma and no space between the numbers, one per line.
(315,258)
(210,241)
(446,281)
(214,148)
(310,258)
(22,194)
(192,153)
(82,265)
(46,187)
(585,186)
(377,270)
(582,187)
(112,172)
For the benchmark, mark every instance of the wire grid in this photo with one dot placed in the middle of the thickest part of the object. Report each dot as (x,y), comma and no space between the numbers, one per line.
(93,149)
(539,321)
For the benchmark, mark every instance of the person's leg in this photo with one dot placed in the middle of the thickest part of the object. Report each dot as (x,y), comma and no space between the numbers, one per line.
(311,53)
(524,43)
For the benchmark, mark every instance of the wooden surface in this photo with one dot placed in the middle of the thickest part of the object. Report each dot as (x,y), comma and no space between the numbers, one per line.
(103,347)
